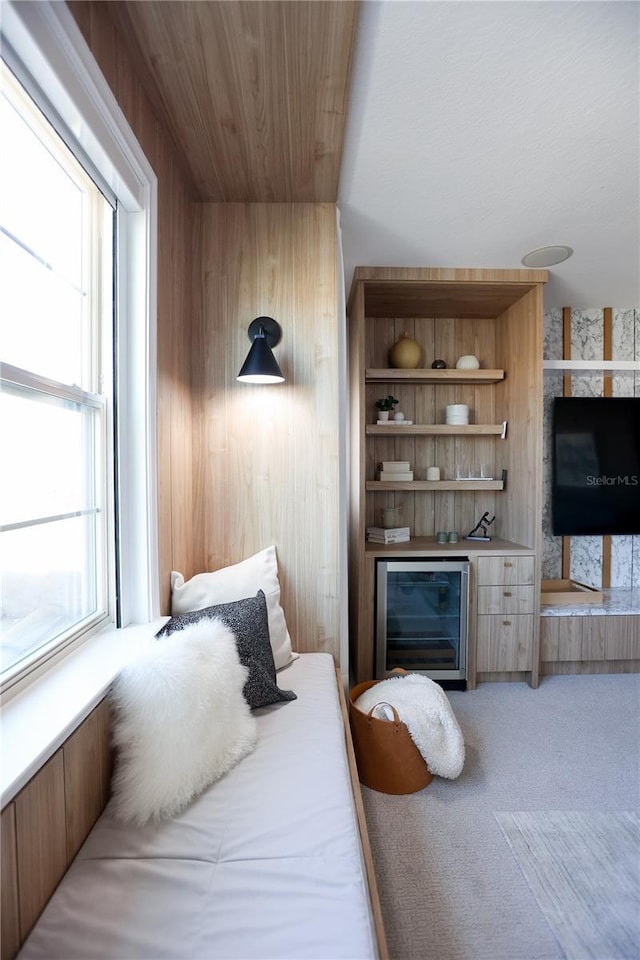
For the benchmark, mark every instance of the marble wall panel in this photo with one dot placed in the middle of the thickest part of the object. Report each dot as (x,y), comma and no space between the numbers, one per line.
(587,334)
(635,561)
(624,573)
(624,346)
(553,334)
(586,560)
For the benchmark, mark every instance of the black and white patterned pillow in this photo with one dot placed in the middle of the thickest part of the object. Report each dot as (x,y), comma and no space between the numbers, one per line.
(248,621)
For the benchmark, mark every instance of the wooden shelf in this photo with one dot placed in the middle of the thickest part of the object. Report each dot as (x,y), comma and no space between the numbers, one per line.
(395,375)
(437,430)
(428,546)
(380,486)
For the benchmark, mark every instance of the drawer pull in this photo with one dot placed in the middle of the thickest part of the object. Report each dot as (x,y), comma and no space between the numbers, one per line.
(507,593)
(506,623)
(508,564)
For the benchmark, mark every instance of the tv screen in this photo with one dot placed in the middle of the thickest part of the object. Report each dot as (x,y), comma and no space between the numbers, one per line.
(596,466)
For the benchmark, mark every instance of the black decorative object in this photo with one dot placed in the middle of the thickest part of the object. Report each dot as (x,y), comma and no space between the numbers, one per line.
(438,365)
(479,532)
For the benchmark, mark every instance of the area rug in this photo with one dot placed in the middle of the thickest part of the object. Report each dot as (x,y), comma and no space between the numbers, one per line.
(584,871)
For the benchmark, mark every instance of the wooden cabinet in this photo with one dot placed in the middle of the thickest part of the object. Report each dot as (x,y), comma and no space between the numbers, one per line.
(506,609)
(495,315)
(575,644)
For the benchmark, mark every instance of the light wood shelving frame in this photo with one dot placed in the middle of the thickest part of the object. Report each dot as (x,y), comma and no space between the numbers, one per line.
(498,316)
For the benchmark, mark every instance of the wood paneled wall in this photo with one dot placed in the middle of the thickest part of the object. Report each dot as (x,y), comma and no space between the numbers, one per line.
(176,214)
(239,466)
(267,456)
(47,822)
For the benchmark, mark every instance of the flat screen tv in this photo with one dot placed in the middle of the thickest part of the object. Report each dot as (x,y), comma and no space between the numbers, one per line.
(596,466)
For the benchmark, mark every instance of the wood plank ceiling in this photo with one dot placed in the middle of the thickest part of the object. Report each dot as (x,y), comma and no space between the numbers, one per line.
(254,93)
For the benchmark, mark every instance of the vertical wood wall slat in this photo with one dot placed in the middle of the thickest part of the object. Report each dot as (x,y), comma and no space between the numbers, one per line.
(106,755)
(44,827)
(41,840)
(607,386)
(566,392)
(10,914)
(177,534)
(82,782)
(267,456)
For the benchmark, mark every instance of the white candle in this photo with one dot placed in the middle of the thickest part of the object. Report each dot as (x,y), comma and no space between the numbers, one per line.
(433,473)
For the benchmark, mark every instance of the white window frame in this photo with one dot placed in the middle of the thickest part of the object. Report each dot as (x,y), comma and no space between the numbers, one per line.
(45,39)
(95,226)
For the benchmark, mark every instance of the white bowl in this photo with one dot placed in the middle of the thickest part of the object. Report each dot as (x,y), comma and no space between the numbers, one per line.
(468,362)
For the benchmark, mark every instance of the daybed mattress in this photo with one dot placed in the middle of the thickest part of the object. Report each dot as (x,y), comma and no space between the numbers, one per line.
(267,863)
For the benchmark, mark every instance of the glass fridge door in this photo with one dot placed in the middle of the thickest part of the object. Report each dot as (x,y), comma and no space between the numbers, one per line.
(422,617)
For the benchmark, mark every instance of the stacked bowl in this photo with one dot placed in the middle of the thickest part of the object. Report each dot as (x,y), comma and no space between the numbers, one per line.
(457,413)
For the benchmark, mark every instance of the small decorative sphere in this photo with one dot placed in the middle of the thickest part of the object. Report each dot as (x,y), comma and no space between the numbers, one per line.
(398,415)
(438,365)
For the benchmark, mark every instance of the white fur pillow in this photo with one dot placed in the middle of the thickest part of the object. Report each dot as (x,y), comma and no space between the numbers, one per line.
(181,721)
(237,582)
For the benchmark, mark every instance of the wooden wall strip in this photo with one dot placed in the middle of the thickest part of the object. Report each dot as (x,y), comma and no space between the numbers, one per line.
(267,457)
(82,783)
(376,909)
(46,824)
(41,840)
(10,914)
(607,385)
(176,543)
(106,755)
(566,392)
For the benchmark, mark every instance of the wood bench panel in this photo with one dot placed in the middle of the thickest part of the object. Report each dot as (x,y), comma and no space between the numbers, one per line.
(10,925)
(41,834)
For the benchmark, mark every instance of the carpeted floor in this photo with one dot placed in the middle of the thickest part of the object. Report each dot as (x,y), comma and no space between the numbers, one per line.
(584,871)
(450,885)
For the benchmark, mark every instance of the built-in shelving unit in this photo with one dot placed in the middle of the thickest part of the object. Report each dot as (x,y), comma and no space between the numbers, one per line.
(496,315)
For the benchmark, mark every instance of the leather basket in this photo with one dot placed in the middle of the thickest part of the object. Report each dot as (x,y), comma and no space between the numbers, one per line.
(388,759)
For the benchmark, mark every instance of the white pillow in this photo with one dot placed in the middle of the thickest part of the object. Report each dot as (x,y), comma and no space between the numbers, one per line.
(180,721)
(242,580)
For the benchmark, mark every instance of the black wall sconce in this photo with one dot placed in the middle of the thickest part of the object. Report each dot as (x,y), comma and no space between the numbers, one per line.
(261,366)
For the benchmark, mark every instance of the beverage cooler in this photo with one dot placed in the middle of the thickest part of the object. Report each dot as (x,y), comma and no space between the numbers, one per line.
(422,621)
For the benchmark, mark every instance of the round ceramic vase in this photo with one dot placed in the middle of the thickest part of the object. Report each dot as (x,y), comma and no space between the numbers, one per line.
(405,353)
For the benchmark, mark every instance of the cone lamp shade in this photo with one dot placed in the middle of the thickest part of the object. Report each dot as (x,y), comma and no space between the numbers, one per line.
(261,366)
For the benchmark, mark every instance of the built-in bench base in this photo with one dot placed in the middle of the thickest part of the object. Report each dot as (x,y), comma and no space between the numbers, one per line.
(592,638)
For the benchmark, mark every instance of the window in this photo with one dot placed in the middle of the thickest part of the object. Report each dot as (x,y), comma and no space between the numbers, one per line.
(45,50)
(57,555)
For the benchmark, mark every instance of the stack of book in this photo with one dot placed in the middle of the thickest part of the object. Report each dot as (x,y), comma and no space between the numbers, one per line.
(388,534)
(395,470)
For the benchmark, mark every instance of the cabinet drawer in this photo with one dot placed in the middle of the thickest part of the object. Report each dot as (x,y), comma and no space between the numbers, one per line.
(504,643)
(506,599)
(497,570)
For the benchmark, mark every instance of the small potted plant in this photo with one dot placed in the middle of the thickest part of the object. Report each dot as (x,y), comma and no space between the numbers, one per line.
(385,405)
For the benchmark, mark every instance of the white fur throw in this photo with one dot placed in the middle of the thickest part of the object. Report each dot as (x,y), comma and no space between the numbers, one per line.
(181,721)
(424,708)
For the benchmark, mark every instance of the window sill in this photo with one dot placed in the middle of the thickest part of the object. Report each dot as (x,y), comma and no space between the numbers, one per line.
(37,721)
